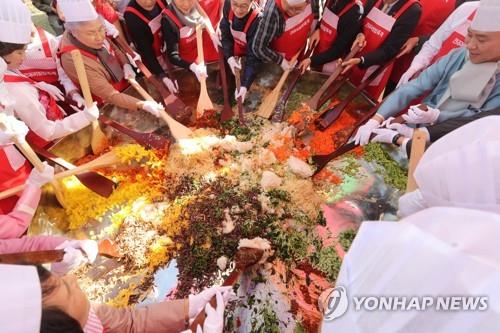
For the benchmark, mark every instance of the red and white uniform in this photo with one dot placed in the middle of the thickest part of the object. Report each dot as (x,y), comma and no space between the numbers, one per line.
(42,63)
(155,26)
(213,9)
(297,30)
(240,37)
(376,28)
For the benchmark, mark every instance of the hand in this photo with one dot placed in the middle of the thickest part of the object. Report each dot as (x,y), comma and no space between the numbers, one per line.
(128,72)
(359,41)
(287,65)
(384,135)
(92,112)
(418,116)
(153,107)
(408,46)
(349,64)
(199,70)
(172,86)
(40,178)
(214,322)
(88,247)
(402,129)
(363,134)
(111,30)
(314,39)
(53,91)
(240,93)
(198,302)
(233,64)
(304,65)
(77,98)
(14,130)
(72,259)
(133,58)
(408,75)
(215,40)
(411,203)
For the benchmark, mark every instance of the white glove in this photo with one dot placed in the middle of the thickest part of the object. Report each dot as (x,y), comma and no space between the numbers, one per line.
(407,76)
(286,65)
(50,89)
(402,129)
(134,58)
(72,259)
(14,130)
(153,107)
(197,302)
(172,86)
(216,41)
(241,93)
(233,63)
(363,134)
(411,203)
(78,99)
(92,112)
(89,247)
(384,135)
(111,30)
(214,322)
(418,116)
(199,70)
(128,72)
(40,178)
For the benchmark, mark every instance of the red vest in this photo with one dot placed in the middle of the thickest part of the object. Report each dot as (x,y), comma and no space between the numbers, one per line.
(155,26)
(11,178)
(328,28)
(376,28)
(297,29)
(213,9)
(240,37)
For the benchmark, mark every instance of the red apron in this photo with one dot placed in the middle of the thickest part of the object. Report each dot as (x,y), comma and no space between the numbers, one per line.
(434,13)
(52,110)
(188,50)
(120,85)
(41,69)
(297,29)
(456,39)
(10,178)
(240,37)
(155,26)
(328,33)
(213,10)
(376,28)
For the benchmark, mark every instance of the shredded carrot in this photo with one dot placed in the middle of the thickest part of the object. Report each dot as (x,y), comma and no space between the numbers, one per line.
(328,176)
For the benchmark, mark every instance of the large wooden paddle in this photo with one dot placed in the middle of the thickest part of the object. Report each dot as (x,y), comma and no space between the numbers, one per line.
(269,103)
(241,112)
(227,111)
(418,142)
(313,103)
(204,102)
(178,130)
(98,140)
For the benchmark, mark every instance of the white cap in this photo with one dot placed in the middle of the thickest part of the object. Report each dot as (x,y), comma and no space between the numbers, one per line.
(487,17)
(77,10)
(21,301)
(15,22)
(295,2)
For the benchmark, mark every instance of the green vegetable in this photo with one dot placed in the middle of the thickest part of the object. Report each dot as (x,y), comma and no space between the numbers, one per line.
(389,169)
(346,238)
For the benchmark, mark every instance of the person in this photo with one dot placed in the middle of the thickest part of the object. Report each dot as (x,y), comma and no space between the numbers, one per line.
(63,293)
(418,268)
(179,22)
(284,30)
(107,68)
(47,7)
(33,102)
(339,26)
(239,23)
(387,25)
(450,35)
(461,84)
(143,21)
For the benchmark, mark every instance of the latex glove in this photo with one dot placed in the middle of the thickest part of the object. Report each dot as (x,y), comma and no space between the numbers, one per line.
(360,41)
(88,247)
(172,86)
(411,203)
(40,178)
(78,99)
(72,259)
(111,30)
(418,116)
(241,93)
(363,134)
(402,129)
(128,72)
(153,107)
(384,135)
(214,322)
(14,130)
(408,75)
(233,64)
(287,65)
(50,89)
(197,302)
(304,65)
(133,58)
(199,70)
(92,112)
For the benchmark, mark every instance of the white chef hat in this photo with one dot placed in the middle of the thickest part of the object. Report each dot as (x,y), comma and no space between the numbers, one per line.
(487,17)
(77,10)
(296,2)
(21,301)
(15,22)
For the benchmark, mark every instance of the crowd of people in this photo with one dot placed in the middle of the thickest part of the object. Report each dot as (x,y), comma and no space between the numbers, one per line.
(441,71)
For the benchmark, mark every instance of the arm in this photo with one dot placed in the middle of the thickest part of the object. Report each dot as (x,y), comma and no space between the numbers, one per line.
(402,30)
(168,316)
(227,38)
(28,244)
(270,26)
(171,37)
(14,224)
(317,8)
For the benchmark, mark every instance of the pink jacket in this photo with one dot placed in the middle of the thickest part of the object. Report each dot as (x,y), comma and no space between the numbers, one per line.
(28,244)
(15,224)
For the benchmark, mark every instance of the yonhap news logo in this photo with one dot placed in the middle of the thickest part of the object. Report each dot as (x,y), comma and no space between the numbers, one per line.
(335,302)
